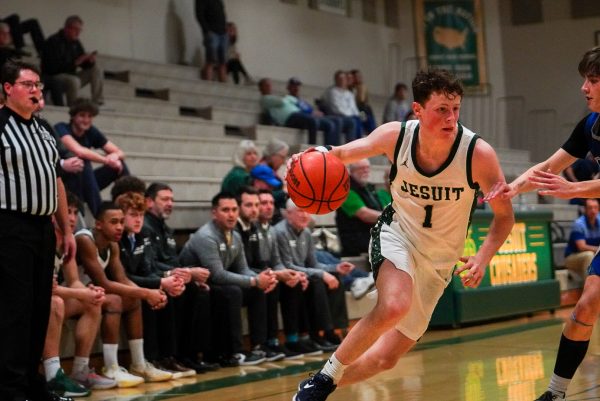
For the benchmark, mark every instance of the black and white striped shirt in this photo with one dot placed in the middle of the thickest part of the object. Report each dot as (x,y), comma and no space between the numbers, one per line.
(28,165)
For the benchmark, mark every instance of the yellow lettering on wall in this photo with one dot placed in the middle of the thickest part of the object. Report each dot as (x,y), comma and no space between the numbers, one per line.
(513,268)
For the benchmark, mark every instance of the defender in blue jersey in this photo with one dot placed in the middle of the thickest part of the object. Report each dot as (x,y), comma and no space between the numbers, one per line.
(545,177)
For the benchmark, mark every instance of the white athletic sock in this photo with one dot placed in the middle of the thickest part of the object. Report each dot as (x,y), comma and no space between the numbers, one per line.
(558,385)
(136,347)
(80,364)
(334,368)
(109,351)
(51,366)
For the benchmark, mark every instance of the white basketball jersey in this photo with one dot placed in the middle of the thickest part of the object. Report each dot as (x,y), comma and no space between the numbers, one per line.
(85,279)
(433,210)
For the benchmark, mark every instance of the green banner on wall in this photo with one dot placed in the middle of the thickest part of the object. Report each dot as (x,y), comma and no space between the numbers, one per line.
(450,37)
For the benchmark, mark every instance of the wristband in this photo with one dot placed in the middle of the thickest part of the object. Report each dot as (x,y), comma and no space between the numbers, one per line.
(323,149)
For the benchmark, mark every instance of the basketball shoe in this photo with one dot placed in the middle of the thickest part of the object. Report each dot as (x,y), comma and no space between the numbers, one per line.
(315,388)
(550,396)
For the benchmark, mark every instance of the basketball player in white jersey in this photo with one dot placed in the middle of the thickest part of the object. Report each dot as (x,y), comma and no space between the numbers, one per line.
(438,167)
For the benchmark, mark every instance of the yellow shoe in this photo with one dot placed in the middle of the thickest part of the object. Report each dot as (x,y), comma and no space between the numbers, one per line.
(122,376)
(150,373)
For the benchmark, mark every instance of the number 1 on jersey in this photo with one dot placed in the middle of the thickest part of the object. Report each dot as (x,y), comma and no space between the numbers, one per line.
(428,212)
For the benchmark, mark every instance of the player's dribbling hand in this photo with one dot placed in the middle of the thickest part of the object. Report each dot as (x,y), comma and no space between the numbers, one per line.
(471,273)
(294,158)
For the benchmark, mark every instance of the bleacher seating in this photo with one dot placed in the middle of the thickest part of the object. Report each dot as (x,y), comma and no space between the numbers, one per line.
(177,129)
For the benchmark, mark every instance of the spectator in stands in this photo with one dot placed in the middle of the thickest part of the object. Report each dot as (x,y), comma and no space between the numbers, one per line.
(584,239)
(67,67)
(361,94)
(275,155)
(71,299)
(248,229)
(234,61)
(68,161)
(99,258)
(18,30)
(218,247)
(245,158)
(338,100)
(297,252)
(7,51)
(332,126)
(194,334)
(397,106)
(80,137)
(160,331)
(211,17)
(128,183)
(359,212)
(290,289)
(284,111)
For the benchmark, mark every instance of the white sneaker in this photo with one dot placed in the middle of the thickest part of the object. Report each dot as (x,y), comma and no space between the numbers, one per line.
(122,376)
(361,286)
(150,373)
(92,380)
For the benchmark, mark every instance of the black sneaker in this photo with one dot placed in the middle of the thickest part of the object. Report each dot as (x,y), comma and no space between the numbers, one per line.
(250,358)
(228,361)
(315,388)
(289,354)
(333,338)
(50,396)
(200,366)
(550,396)
(322,344)
(305,347)
(271,354)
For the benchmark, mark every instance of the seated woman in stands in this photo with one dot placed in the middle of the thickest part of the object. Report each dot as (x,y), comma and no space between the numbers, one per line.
(245,159)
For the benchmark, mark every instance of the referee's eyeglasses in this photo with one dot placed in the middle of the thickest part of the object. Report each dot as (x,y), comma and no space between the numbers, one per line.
(29,85)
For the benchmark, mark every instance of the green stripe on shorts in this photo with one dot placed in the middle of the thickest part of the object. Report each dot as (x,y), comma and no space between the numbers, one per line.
(375,256)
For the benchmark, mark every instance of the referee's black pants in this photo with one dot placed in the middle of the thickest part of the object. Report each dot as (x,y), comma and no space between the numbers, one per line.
(27,247)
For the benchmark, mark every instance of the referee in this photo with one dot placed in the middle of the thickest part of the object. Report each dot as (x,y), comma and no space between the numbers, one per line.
(30,193)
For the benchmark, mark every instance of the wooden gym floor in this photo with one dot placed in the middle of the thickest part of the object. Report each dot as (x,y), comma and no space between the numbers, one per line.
(504,360)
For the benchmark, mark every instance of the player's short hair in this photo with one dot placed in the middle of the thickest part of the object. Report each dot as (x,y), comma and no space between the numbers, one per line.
(221,195)
(73,200)
(434,80)
(265,191)
(589,66)
(155,188)
(131,200)
(104,207)
(245,190)
(127,183)
(81,105)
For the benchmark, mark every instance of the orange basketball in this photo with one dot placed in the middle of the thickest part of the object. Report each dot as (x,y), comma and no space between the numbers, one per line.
(318,182)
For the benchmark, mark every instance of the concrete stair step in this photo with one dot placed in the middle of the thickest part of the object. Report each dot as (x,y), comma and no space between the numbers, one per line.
(145,164)
(108,120)
(175,144)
